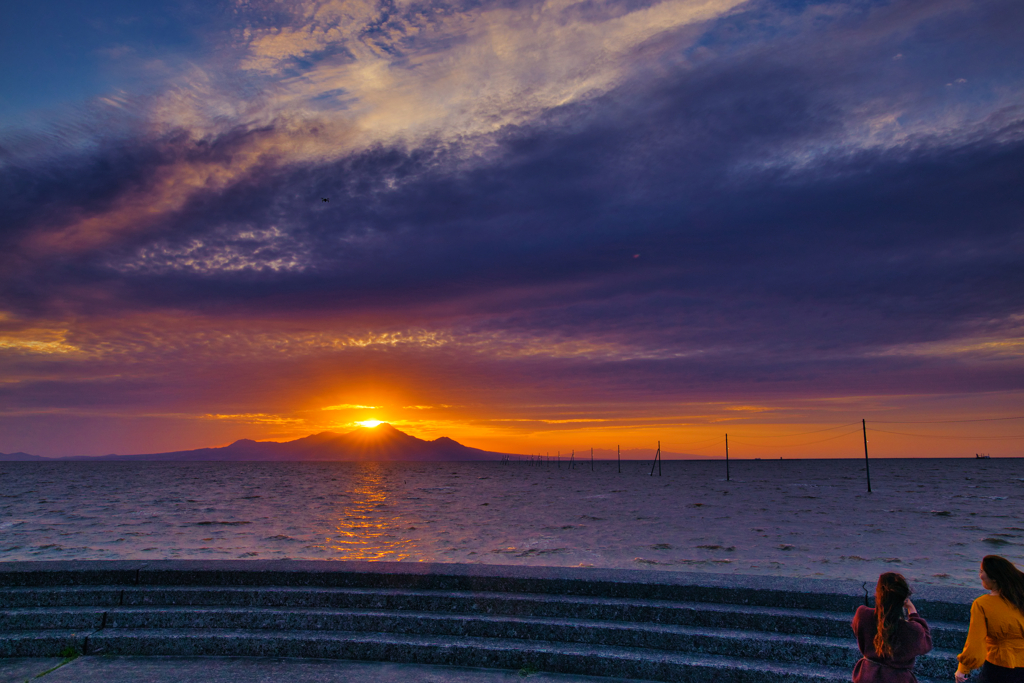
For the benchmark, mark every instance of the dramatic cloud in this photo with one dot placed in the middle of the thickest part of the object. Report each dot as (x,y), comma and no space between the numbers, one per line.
(540,216)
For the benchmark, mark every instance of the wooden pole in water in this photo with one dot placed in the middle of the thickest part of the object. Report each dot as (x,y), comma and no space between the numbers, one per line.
(657,461)
(867,465)
(727,457)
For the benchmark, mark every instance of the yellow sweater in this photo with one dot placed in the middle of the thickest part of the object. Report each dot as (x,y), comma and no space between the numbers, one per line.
(996,635)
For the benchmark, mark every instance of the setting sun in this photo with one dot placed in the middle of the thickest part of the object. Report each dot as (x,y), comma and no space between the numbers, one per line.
(369,423)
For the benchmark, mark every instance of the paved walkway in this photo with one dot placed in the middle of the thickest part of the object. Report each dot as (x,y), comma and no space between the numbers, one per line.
(259,670)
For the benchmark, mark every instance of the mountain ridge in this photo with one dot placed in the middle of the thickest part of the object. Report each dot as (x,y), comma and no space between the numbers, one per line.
(383,443)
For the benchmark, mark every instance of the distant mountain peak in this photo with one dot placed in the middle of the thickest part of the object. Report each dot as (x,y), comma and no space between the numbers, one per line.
(20,457)
(319,436)
(383,427)
(383,443)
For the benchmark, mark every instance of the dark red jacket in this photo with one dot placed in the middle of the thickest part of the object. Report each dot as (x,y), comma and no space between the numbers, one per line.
(912,639)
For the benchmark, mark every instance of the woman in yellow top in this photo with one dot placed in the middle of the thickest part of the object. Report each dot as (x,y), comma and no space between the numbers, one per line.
(995,641)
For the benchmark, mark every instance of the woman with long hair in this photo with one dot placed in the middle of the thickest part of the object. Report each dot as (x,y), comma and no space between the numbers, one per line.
(995,640)
(889,640)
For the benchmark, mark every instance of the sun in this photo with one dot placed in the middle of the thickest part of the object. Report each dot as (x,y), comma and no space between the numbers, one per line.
(369,423)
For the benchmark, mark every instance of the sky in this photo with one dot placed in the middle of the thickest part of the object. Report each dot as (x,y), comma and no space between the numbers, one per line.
(551,224)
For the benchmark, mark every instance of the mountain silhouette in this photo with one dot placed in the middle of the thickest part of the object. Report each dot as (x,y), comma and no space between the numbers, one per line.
(20,457)
(382,443)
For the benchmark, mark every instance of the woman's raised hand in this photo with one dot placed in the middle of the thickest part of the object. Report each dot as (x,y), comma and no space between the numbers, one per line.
(909,606)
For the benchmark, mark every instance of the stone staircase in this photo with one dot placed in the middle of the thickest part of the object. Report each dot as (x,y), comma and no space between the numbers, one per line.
(658,626)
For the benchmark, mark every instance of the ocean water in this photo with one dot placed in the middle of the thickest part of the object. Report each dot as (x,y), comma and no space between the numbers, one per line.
(932,519)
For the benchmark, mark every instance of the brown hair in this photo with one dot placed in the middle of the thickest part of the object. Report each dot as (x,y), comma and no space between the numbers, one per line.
(1008,579)
(891,591)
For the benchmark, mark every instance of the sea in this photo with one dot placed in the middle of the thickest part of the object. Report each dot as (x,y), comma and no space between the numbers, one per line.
(930,519)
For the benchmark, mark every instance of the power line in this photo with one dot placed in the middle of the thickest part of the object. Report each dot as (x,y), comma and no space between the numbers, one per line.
(705,448)
(816,431)
(938,422)
(700,444)
(809,443)
(946,436)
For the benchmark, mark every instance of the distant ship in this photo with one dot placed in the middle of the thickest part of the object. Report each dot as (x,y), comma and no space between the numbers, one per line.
(979,456)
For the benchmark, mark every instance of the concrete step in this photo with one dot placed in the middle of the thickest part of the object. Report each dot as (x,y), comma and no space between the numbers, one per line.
(61,596)
(41,618)
(770,646)
(603,622)
(668,638)
(43,643)
(540,605)
(770,619)
(586,659)
(947,604)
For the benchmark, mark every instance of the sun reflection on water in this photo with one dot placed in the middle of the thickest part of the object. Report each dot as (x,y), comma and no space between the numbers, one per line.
(368,526)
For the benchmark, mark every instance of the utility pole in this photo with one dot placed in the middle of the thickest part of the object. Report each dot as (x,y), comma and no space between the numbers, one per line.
(727,457)
(657,461)
(867,465)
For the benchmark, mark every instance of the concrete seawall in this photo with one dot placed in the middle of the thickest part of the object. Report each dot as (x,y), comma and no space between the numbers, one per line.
(653,625)
(952,603)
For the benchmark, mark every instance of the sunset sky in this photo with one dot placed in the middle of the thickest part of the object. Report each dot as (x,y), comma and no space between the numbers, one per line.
(552,224)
